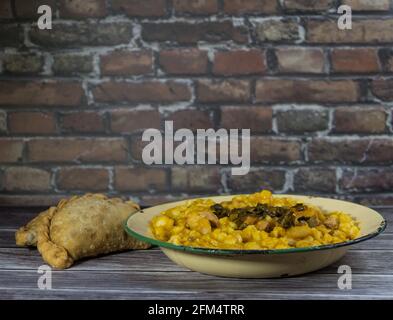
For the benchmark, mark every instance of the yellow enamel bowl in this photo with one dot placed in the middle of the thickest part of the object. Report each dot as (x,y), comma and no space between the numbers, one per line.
(259,263)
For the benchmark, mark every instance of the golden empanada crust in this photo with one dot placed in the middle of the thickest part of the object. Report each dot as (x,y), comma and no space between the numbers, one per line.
(83,226)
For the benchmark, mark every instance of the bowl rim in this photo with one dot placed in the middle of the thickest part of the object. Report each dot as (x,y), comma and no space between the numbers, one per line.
(203,250)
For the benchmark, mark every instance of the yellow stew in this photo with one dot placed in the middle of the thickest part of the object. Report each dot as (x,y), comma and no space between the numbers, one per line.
(255,221)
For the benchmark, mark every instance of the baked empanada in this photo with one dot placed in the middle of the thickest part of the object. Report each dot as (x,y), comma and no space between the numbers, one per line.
(82,226)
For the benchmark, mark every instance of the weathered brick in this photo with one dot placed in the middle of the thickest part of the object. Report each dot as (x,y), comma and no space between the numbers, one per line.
(83,122)
(127,63)
(11,150)
(223,91)
(51,93)
(3,122)
(302,120)
(351,150)
(192,33)
(271,150)
(283,90)
(256,118)
(355,60)
(26,179)
(195,7)
(239,7)
(360,120)
(137,8)
(22,63)
(72,64)
(191,119)
(129,120)
(65,35)
(386,59)
(86,179)
(11,35)
(31,122)
(239,62)
(315,180)
(367,5)
(149,91)
(195,179)
(82,8)
(183,61)
(363,31)
(77,150)
(383,89)
(5,10)
(301,60)
(28,9)
(367,180)
(275,30)
(256,180)
(307,5)
(140,179)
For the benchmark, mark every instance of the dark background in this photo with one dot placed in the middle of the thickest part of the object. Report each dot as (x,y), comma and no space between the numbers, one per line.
(75,99)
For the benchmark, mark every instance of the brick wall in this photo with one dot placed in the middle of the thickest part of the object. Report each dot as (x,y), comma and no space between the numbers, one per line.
(74,100)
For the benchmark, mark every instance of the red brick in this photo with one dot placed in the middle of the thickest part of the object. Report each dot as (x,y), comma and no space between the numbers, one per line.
(355,60)
(183,61)
(127,63)
(128,121)
(368,5)
(77,150)
(307,5)
(302,120)
(149,91)
(31,122)
(256,118)
(82,8)
(140,179)
(5,9)
(138,8)
(239,7)
(256,180)
(383,89)
(27,9)
(301,60)
(86,33)
(196,7)
(363,31)
(239,62)
(83,122)
(26,179)
(282,90)
(192,33)
(86,179)
(360,120)
(315,180)
(223,91)
(351,150)
(367,180)
(278,30)
(272,150)
(195,179)
(30,93)
(11,150)
(191,119)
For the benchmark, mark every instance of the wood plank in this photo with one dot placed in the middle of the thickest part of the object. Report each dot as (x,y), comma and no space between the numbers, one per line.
(87,294)
(161,283)
(361,262)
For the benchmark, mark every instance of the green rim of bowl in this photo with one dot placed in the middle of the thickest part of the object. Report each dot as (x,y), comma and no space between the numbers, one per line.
(202,250)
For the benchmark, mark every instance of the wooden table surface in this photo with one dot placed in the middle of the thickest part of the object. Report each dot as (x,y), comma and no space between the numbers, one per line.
(149,274)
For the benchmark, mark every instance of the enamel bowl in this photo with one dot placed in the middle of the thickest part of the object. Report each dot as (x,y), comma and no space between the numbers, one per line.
(259,263)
